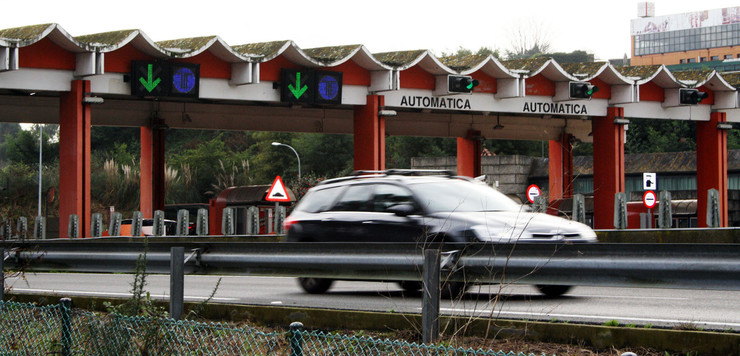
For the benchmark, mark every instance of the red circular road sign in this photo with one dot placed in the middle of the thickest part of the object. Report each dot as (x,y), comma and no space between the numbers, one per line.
(533,191)
(649,199)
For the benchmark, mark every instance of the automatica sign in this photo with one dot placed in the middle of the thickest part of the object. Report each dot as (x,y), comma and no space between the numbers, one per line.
(431,102)
(555,108)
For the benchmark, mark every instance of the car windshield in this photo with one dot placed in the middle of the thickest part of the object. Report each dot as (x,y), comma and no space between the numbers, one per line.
(461,196)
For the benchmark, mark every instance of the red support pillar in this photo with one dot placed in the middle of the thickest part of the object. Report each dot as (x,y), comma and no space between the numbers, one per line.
(151,192)
(711,161)
(560,171)
(468,154)
(369,139)
(74,157)
(608,165)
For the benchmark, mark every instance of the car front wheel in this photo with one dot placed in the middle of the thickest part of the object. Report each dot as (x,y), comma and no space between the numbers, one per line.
(315,285)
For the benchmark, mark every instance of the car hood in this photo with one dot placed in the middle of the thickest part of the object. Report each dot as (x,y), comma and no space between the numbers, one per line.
(516,226)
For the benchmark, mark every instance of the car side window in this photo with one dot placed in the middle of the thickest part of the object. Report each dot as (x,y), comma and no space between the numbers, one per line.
(388,195)
(318,200)
(355,198)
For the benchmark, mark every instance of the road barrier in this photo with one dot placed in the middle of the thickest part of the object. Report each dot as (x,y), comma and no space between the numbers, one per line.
(700,266)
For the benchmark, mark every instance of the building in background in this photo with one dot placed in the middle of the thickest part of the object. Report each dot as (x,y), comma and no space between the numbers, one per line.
(693,40)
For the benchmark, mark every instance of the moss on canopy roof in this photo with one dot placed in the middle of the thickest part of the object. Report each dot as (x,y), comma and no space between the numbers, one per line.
(398,59)
(588,68)
(186,44)
(732,78)
(330,54)
(463,62)
(528,64)
(640,72)
(105,38)
(697,76)
(260,49)
(24,33)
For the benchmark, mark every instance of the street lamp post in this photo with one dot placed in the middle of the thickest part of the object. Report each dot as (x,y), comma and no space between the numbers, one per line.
(296,156)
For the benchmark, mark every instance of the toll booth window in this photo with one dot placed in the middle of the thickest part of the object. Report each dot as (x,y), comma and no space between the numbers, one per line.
(387,195)
(355,198)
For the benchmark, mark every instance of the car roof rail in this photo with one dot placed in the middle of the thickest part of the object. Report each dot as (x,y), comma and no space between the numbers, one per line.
(360,174)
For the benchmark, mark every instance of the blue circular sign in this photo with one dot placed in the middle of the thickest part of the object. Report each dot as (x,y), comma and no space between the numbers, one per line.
(328,87)
(183,80)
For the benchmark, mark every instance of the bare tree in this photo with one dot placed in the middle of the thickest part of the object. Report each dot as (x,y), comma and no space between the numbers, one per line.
(528,39)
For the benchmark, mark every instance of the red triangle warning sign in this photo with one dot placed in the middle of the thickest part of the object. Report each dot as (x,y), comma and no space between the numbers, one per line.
(278,192)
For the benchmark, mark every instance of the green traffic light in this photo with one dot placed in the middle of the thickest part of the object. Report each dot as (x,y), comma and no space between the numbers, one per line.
(473,83)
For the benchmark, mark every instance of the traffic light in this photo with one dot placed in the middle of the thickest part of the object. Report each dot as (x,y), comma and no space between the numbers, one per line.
(579,90)
(691,96)
(461,84)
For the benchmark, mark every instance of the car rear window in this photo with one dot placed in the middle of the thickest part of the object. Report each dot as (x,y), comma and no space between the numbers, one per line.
(461,196)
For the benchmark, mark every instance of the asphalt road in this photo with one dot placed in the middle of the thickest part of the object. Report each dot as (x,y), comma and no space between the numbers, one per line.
(640,306)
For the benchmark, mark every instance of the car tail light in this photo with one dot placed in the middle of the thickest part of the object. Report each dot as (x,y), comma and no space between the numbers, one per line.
(287,223)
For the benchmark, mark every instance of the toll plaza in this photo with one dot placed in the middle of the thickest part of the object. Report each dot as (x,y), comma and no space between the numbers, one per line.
(123,78)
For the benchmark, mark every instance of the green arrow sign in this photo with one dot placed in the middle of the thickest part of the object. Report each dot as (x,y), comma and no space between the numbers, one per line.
(151,83)
(297,90)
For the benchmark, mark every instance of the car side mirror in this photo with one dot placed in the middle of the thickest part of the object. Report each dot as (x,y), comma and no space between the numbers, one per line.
(401,209)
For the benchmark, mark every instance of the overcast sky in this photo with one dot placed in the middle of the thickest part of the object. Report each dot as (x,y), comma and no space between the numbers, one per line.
(597,26)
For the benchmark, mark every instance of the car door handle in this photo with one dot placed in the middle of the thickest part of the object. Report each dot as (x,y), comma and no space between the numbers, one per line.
(369,222)
(327,219)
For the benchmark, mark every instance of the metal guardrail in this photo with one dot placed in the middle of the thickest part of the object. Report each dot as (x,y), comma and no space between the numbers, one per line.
(705,266)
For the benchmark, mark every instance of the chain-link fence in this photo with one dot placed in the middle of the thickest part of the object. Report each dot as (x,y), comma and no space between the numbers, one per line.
(27,329)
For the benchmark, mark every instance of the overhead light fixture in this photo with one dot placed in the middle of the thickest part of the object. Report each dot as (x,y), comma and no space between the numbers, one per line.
(387,113)
(92,100)
(498,125)
(724,126)
(621,121)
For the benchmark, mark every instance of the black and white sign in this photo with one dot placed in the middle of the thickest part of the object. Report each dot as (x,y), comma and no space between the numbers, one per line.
(533,191)
(649,181)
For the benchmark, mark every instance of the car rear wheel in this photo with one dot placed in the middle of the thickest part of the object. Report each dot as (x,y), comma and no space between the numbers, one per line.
(315,285)
(410,286)
(552,291)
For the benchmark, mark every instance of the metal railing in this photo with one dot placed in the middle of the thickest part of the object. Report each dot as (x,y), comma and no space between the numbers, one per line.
(701,266)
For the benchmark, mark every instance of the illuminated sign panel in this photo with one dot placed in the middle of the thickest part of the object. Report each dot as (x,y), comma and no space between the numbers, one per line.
(160,79)
(311,87)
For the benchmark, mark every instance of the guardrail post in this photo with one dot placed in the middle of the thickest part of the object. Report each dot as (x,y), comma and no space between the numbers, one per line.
(96,225)
(114,226)
(665,213)
(65,309)
(137,220)
(579,208)
(6,229)
(177,281)
(158,224)
(22,228)
(73,228)
(713,208)
(279,218)
(183,222)
(227,221)
(39,228)
(296,338)
(201,222)
(620,210)
(430,301)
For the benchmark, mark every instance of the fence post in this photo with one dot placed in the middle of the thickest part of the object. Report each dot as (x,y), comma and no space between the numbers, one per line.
(158,224)
(177,281)
(227,222)
(183,223)
(253,220)
(296,338)
(2,274)
(39,228)
(620,210)
(65,311)
(96,225)
(201,222)
(430,301)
